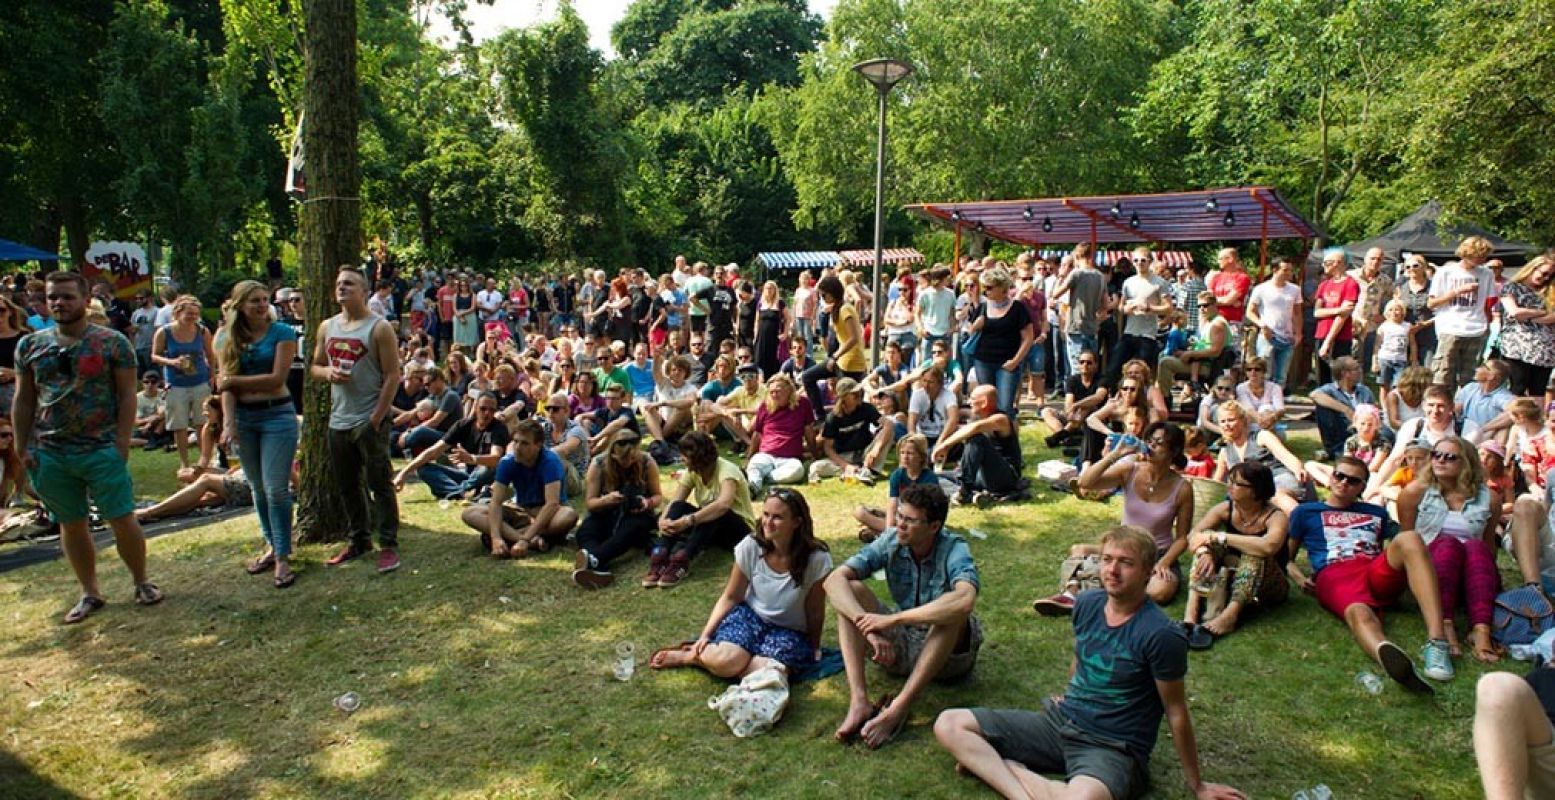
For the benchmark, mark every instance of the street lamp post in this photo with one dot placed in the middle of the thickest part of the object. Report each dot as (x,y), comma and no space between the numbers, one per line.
(882,73)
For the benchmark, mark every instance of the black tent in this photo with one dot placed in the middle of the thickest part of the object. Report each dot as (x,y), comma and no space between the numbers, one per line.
(1420,233)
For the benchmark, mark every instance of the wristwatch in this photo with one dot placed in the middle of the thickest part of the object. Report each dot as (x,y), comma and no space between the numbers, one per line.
(1220,538)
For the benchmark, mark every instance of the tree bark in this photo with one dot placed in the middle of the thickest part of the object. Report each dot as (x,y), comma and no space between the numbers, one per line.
(331,234)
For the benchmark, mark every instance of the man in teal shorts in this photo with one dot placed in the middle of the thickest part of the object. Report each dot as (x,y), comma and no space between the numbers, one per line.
(74,412)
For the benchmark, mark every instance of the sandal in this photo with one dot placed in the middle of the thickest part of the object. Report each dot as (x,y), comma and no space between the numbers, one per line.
(287,581)
(260,565)
(147,594)
(85,607)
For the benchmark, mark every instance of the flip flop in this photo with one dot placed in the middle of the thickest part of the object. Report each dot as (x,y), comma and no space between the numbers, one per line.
(286,582)
(260,565)
(85,607)
(1200,638)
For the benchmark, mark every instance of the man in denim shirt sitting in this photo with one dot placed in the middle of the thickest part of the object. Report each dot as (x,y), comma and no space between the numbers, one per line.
(934,634)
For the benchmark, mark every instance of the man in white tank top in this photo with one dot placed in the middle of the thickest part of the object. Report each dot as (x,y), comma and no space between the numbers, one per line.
(356,354)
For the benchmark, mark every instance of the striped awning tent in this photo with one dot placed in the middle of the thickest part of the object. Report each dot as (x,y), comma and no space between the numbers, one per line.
(803,259)
(889,255)
(1173,258)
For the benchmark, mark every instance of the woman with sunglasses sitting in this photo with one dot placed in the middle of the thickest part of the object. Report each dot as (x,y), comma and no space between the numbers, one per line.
(1453,511)
(1245,443)
(1246,535)
(622,496)
(1132,395)
(772,608)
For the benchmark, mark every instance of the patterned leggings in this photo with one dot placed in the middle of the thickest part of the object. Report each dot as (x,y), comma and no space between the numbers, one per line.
(1466,570)
(1256,581)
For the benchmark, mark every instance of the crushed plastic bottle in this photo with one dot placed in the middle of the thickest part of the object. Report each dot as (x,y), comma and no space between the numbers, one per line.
(626,661)
(348,702)
(1370,682)
(445,504)
(1322,792)
(976,533)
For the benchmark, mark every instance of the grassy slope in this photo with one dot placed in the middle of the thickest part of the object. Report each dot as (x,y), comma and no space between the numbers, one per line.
(225,690)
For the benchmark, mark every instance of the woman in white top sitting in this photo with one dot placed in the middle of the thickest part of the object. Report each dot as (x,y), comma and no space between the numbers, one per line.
(772,608)
(1263,397)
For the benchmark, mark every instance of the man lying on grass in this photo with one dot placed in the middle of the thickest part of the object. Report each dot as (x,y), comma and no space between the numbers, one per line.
(1360,567)
(1127,673)
(930,634)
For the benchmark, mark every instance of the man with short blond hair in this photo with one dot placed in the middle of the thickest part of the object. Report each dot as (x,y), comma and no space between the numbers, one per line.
(1127,673)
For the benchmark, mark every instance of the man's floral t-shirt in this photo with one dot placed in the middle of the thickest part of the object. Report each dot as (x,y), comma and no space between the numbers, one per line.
(77,402)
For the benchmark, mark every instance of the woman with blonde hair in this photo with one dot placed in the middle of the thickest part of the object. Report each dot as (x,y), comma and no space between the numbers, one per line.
(1005,335)
(780,436)
(1403,403)
(1241,444)
(187,356)
(1453,511)
(912,456)
(1528,325)
(772,319)
(255,354)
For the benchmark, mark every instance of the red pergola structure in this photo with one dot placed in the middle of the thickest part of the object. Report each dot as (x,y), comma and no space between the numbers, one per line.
(1230,214)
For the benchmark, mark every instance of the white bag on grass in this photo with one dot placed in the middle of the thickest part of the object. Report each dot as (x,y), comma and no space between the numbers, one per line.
(756,703)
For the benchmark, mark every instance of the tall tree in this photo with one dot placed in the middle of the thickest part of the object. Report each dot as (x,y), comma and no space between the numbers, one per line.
(331,230)
(1480,141)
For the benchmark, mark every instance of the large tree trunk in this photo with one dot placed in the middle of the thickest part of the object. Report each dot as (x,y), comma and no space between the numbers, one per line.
(331,233)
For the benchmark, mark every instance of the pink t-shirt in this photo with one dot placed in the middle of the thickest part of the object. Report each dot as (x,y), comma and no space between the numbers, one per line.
(782,431)
(1333,293)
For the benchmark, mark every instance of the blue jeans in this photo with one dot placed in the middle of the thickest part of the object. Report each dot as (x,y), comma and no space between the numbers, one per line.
(1278,355)
(1005,382)
(1080,343)
(445,480)
(805,330)
(267,443)
(420,438)
(1333,428)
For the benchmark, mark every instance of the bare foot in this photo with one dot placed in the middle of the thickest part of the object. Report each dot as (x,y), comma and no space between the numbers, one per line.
(673,658)
(1485,649)
(884,727)
(1223,623)
(1454,649)
(857,716)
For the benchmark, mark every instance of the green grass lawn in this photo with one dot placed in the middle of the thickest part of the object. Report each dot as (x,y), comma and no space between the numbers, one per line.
(493,679)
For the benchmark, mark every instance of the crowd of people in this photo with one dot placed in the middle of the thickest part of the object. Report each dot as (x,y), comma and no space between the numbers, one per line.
(672,416)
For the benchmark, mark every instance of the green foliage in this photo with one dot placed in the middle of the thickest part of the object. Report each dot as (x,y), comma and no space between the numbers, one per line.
(711,55)
(1307,95)
(1482,145)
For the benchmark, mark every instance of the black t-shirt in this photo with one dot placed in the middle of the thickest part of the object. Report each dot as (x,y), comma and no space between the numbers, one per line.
(720,309)
(564,294)
(1079,388)
(508,398)
(699,367)
(540,298)
(452,405)
(1001,337)
(406,401)
(623,411)
(853,432)
(474,441)
(641,302)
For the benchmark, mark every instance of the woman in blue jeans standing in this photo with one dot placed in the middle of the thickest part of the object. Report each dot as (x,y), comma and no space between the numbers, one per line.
(1006,338)
(256,355)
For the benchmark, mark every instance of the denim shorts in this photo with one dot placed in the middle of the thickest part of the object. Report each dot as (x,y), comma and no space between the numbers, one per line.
(1391,371)
(746,630)
(63,480)
(1036,357)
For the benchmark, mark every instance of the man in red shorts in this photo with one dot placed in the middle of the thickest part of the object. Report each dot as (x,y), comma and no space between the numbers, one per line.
(1360,565)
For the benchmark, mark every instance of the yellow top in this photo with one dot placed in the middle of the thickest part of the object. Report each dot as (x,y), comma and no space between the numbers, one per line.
(853,360)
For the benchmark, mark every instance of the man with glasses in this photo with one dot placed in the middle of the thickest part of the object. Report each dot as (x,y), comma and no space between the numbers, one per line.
(928,633)
(701,359)
(1362,564)
(1083,393)
(75,394)
(1334,406)
(1206,358)
(618,418)
(473,445)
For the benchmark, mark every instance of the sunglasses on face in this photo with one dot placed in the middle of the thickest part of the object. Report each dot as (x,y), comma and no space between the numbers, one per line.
(1255,369)
(1128,388)
(1353,480)
(1444,456)
(1222,388)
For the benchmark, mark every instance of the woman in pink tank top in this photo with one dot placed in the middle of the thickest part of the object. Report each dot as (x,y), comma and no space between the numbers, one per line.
(1155,497)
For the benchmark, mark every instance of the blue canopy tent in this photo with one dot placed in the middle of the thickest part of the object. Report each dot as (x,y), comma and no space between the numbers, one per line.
(13,251)
(798,260)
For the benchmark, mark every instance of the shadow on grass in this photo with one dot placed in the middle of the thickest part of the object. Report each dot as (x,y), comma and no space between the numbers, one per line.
(19,782)
(226,689)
